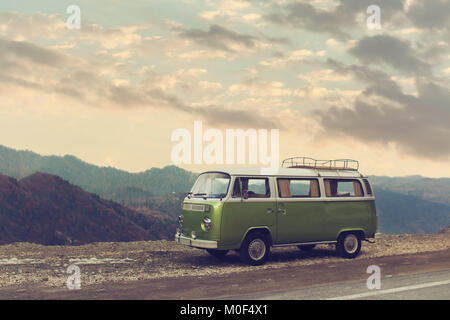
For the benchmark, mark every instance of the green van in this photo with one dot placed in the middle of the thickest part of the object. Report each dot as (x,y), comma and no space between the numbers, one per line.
(304,203)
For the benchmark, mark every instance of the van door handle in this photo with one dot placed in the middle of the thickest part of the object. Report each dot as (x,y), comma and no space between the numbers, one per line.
(270,210)
(282,211)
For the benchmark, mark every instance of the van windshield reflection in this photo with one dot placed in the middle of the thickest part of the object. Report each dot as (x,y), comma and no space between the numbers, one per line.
(211,185)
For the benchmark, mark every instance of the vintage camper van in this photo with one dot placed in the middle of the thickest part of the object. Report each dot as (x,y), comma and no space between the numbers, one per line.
(304,203)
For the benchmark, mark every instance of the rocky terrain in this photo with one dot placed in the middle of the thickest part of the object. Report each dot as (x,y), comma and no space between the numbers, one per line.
(25,264)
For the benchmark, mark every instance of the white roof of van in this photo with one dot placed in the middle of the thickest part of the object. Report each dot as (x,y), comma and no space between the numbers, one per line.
(289,172)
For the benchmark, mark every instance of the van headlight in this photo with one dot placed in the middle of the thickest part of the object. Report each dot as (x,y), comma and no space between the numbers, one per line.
(207,223)
(196,207)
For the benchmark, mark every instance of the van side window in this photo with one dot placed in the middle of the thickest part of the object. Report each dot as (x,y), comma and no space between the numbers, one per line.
(343,188)
(298,188)
(256,187)
(368,188)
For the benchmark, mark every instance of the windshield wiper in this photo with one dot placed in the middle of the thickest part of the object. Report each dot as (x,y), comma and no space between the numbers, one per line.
(200,194)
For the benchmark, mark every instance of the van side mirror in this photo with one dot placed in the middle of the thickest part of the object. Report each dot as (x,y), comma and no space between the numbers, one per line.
(245,194)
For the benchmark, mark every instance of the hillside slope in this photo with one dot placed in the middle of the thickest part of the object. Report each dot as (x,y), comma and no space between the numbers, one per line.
(45,209)
(398,213)
(432,189)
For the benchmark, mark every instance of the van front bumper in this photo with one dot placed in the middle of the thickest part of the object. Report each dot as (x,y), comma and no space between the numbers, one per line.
(205,244)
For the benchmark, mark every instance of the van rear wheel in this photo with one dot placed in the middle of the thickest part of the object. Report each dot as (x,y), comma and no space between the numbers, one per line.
(348,245)
(255,249)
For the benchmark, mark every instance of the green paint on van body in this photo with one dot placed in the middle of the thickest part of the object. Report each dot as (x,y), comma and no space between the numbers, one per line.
(287,220)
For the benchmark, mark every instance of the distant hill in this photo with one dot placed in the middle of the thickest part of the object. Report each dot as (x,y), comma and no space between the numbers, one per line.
(432,189)
(399,213)
(109,183)
(446,230)
(46,209)
(412,204)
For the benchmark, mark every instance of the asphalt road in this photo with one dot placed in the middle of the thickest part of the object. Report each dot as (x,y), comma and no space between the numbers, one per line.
(422,286)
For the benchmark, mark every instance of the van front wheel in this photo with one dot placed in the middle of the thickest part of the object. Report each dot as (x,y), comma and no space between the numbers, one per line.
(348,245)
(255,249)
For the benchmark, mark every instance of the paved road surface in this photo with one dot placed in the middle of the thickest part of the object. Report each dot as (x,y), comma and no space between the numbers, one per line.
(423,286)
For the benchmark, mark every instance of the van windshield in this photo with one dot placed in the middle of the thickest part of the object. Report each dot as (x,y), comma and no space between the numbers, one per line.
(211,185)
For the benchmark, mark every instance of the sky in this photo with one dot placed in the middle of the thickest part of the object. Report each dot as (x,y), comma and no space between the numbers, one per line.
(113,91)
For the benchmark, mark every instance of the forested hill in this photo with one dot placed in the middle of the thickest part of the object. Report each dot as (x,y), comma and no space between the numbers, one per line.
(107,182)
(46,209)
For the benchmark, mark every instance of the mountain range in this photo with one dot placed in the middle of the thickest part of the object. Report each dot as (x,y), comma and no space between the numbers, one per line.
(432,189)
(411,204)
(107,182)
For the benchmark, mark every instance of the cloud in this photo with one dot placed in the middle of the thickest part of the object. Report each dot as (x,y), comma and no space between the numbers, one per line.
(219,114)
(57,74)
(216,114)
(323,76)
(392,51)
(338,20)
(224,8)
(258,87)
(111,38)
(201,54)
(386,92)
(297,56)
(303,15)
(19,26)
(415,124)
(220,38)
(10,49)
(430,14)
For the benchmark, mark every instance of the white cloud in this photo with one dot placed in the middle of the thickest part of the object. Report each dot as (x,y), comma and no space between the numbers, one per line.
(224,8)
(324,75)
(251,17)
(201,54)
(208,85)
(20,27)
(293,56)
(260,88)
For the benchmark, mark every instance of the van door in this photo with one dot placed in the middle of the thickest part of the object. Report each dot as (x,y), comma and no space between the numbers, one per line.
(241,213)
(300,210)
(346,207)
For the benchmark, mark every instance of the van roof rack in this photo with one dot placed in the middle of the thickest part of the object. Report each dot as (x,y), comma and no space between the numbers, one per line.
(310,163)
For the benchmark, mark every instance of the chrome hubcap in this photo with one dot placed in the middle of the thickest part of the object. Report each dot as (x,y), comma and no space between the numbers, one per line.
(351,243)
(257,249)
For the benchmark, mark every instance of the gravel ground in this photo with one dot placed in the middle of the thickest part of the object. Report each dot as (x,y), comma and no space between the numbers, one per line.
(24,264)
